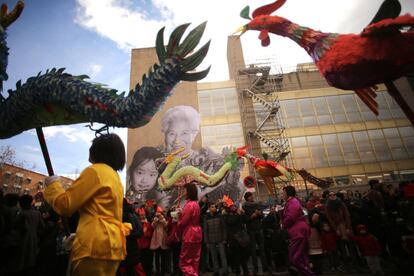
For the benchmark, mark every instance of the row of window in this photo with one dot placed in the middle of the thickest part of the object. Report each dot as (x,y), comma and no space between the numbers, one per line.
(336,110)
(218,102)
(353,147)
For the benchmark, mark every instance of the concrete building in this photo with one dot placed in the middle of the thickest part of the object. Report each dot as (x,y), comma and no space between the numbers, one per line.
(295,116)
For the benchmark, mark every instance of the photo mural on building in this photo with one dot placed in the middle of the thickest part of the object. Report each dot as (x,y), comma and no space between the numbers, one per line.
(179,127)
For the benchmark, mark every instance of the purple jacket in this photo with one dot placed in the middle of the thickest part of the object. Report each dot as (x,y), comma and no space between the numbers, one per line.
(294,220)
(188,227)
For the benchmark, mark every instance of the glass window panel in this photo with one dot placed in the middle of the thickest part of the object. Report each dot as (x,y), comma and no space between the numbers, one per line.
(303,163)
(345,138)
(368,116)
(397,113)
(394,143)
(330,138)
(390,100)
(384,114)
(382,103)
(298,141)
(362,106)
(335,104)
(352,158)
(366,152)
(406,131)
(291,107)
(399,153)
(336,160)
(360,136)
(314,140)
(301,152)
(325,120)
(339,118)
(294,122)
(321,106)
(349,148)
(319,157)
(354,117)
(375,134)
(333,150)
(380,145)
(349,103)
(306,107)
(309,121)
(390,132)
(383,155)
(409,145)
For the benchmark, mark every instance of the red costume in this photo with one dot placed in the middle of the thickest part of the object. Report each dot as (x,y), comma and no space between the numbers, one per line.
(189,230)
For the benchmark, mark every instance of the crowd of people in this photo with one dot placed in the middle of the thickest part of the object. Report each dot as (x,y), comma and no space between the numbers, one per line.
(93,228)
(340,232)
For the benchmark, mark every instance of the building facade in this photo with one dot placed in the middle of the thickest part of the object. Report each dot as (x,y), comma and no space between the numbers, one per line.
(297,118)
(19,180)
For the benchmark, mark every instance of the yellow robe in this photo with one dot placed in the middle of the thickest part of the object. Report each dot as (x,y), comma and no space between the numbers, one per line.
(98,196)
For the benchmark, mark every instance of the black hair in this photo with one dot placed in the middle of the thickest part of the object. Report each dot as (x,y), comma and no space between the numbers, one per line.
(191,189)
(25,202)
(373,182)
(108,149)
(247,195)
(11,199)
(290,190)
(144,153)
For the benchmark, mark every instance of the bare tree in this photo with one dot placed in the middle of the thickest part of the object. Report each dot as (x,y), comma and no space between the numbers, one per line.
(8,155)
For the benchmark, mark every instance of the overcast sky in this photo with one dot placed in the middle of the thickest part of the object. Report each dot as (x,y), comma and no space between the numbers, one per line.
(95,37)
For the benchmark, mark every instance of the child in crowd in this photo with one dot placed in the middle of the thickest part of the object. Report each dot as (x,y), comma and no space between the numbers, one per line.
(329,240)
(370,248)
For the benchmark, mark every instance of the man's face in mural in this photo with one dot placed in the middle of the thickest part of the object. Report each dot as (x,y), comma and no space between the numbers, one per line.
(179,135)
(145,175)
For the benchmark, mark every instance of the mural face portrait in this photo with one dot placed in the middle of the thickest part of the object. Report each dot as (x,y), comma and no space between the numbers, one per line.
(142,173)
(144,177)
(179,135)
(180,126)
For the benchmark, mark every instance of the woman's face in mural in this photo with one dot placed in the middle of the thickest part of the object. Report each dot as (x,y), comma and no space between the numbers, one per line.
(145,175)
(179,135)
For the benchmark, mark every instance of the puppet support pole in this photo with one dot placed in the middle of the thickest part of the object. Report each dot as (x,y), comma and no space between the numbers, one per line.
(45,153)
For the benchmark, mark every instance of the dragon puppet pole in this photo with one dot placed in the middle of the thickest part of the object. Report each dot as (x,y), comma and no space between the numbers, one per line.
(45,153)
(46,157)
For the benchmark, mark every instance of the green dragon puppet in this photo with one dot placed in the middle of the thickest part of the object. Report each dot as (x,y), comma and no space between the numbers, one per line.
(58,98)
(172,176)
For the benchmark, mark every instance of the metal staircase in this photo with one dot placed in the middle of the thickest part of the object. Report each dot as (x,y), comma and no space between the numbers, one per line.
(259,87)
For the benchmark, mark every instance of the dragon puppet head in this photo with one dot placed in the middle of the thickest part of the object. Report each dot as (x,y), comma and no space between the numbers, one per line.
(262,21)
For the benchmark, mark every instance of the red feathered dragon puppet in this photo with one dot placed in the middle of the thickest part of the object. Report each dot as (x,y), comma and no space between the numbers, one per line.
(381,53)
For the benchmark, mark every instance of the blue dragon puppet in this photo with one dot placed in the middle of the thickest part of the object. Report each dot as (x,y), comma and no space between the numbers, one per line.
(58,98)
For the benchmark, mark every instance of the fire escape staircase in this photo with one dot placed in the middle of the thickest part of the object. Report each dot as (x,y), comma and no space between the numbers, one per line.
(280,148)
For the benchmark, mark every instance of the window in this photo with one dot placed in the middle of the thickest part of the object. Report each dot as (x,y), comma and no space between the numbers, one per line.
(321,106)
(298,141)
(314,140)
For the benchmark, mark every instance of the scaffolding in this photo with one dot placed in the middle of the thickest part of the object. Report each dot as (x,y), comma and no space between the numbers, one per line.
(258,85)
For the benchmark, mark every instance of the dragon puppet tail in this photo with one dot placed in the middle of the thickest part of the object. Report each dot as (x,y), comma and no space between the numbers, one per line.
(58,98)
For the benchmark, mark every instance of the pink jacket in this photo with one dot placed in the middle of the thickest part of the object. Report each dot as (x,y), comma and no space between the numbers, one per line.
(294,220)
(188,227)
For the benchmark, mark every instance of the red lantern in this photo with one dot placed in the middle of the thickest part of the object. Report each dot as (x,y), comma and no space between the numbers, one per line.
(249,182)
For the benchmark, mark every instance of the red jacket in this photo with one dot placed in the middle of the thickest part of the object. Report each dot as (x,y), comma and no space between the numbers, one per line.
(368,245)
(188,227)
(145,240)
(329,240)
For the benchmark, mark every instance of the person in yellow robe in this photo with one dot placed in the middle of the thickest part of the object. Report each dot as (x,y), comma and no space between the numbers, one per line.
(97,194)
